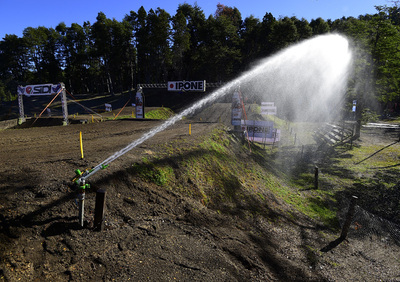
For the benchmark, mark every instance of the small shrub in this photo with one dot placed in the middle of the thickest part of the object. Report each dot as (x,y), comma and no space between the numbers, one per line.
(369,116)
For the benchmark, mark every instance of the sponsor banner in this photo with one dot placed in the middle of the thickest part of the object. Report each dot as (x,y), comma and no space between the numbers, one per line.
(268,108)
(258,128)
(276,138)
(187,85)
(268,111)
(39,89)
(108,107)
(260,131)
(139,105)
(268,104)
(236,113)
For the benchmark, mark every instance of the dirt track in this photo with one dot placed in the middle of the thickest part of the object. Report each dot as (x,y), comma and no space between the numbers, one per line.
(151,234)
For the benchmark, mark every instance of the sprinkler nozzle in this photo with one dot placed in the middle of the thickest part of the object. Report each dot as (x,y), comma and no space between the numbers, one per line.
(84,186)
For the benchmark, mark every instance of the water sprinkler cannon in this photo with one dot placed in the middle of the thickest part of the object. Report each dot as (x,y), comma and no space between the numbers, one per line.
(80,182)
(82,176)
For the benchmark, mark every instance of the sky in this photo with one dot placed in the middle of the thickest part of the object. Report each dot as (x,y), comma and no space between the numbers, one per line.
(16,15)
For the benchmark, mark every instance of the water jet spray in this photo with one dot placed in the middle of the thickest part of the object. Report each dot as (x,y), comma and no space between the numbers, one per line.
(311,76)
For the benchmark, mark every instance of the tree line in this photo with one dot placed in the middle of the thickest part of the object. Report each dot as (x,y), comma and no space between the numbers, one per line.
(111,56)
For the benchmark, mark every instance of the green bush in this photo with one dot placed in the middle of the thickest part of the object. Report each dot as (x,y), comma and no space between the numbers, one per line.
(369,116)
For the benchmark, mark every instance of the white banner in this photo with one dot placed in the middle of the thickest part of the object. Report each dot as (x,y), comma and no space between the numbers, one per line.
(187,85)
(39,89)
(268,108)
(268,104)
(139,105)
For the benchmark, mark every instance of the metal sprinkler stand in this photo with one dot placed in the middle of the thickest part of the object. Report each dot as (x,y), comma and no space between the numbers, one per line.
(81,196)
(81,204)
(80,182)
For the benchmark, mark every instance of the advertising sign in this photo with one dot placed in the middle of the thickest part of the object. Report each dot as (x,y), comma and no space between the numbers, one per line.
(39,89)
(139,104)
(260,131)
(236,109)
(108,107)
(353,109)
(268,108)
(187,85)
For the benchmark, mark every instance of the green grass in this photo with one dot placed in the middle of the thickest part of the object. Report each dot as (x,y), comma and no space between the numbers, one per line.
(160,113)
(150,172)
(211,172)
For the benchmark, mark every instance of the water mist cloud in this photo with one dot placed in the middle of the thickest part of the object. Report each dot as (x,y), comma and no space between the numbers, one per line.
(307,80)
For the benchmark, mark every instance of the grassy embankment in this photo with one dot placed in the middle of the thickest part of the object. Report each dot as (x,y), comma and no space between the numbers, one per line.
(221,172)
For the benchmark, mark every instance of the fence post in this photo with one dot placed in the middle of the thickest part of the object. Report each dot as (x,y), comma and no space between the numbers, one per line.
(316,176)
(357,130)
(349,218)
(98,224)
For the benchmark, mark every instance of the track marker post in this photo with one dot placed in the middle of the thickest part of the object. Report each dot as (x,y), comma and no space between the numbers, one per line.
(81,144)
